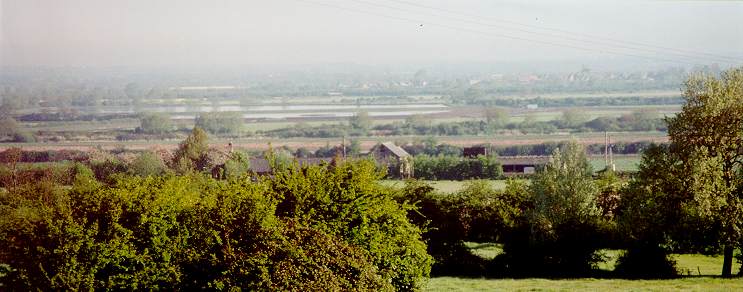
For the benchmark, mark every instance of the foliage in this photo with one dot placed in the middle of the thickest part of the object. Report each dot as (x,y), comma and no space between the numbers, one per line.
(155,123)
(561,233)
(361,122)
(477,213)
(610,186)
(147,164)
(646,262)
(573,118)
(708,137)
(444,233)
(10,128)
(496,117)
(192,153)
(320,227)
(236,166)
(344,201)
(226,123)
(457,168)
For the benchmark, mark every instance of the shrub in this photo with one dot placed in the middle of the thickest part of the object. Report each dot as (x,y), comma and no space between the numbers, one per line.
(562,233)
(646,261)
(147,164)
(322,227)
(343,200)
(456,168)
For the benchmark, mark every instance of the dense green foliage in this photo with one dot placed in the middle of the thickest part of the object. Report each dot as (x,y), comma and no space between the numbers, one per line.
(192,153)
(155,123)
(457,168)
(476,213)
(225,123)
(561,233)
(321,227)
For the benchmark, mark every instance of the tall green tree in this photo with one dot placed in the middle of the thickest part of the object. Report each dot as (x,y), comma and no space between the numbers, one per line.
(155,123)
(561,235)
(361,121)
(573,118)
(708,134)
(192,153)
(230,123)
(496,117)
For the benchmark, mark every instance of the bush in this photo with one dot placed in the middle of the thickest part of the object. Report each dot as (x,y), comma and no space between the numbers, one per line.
(322,227)
(147,164)
(562,232)
(647,262)
(227,123)
(154,123)
(443,232)
(477,213)
(456,168)
(344,201)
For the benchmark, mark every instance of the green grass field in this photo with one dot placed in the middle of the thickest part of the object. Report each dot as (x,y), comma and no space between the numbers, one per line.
(588,284)
(701,272)
(445,186)
(622,163)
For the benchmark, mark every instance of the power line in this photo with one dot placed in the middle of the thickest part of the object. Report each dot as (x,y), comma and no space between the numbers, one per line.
(497,35)
(581,40)
(682,51)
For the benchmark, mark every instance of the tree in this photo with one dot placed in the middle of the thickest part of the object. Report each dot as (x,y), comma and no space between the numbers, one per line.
(230,123)
(12,157)
(496,117)
(564,190)
(192,152)
(361,121)
(573,118)
(8,126)
(354,148)
(237,166)
(9,106)
(155,123)
(561,235)
(147,164)
(709,132)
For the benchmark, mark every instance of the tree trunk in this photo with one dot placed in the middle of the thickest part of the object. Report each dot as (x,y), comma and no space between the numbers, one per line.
(727,262)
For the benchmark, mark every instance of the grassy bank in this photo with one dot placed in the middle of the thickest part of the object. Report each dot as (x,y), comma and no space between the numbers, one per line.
(684,284)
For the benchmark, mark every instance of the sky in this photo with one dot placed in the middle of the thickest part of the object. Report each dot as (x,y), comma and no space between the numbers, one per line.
(227,32)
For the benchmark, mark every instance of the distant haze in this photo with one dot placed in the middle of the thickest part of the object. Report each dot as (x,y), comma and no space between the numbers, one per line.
(249,32)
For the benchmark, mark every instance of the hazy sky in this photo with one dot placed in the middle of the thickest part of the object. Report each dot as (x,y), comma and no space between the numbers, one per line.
(182,32)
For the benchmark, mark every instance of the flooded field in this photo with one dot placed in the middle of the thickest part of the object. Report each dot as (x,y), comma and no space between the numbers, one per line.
(292,111)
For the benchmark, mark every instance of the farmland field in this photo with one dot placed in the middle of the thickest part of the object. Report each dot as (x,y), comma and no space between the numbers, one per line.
(445,186)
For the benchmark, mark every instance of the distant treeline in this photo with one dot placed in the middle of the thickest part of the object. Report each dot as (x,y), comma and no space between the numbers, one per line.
(71,116)
(416,149)
(601,124)
(580,101)
(541,149)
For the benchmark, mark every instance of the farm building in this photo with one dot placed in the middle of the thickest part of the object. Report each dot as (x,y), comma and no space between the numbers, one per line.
(522,165)
(474,151)
(388,153)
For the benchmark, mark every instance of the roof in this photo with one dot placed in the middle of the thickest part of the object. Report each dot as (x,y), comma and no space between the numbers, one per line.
(399,152)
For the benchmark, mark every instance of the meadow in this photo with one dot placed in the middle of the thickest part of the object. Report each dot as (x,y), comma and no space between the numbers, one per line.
(681,284)
(700,274)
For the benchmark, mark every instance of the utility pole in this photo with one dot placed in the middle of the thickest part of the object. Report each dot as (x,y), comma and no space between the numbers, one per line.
(344,147)
(611,156)
(606,150)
